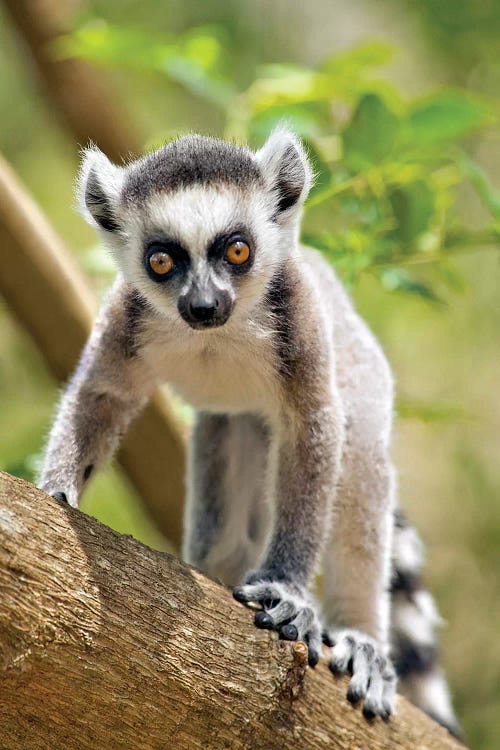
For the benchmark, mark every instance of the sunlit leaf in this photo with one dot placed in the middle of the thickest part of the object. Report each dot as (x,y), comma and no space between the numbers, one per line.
(192,59)
(360,57)
(308,119)
(287,84)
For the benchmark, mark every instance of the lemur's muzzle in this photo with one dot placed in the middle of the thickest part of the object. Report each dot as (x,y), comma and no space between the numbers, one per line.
(207,309)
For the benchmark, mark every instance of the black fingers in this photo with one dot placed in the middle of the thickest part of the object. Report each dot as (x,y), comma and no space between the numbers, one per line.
(312,657)
(60,497)
(263,620)
(289,632)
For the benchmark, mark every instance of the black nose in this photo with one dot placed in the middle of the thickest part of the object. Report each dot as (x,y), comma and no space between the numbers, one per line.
(203,312)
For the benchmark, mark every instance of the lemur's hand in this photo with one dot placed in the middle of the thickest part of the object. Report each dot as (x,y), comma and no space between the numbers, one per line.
(60,497)
(286,608)
(373,677)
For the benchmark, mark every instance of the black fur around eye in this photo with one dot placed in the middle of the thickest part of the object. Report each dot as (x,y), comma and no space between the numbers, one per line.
(235,250)
(163,259)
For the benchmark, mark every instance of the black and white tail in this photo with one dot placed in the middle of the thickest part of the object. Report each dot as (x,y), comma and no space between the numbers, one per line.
(414,624)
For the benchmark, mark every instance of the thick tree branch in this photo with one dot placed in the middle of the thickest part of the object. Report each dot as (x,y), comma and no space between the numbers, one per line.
(107,644)
(80,98)
(50,297)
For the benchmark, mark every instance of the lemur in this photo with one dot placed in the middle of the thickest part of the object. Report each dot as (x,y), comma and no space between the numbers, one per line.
(289,459)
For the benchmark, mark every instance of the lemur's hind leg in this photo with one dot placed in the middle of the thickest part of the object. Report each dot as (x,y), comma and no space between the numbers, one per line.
(228,516)
(357,558)
(414,624)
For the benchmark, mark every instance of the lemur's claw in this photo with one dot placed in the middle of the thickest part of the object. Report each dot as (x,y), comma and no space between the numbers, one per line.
(373,677)
(284,609)
(60,497)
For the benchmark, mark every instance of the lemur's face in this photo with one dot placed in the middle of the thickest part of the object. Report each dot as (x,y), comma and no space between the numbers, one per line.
(200,226)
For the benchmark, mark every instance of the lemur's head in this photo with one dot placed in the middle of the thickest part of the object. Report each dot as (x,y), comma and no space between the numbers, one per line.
(200,226)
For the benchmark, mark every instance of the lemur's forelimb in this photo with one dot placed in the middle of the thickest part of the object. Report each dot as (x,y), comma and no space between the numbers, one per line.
(306,470)
(108,388)
(306,445)
(228,510)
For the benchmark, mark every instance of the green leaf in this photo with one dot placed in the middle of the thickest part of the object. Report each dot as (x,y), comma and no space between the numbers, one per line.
(371,134)
(445,116)
(361,57)
(413,206)
(278,85)
(397,280)
(192,59)
(489,194)
(308,119)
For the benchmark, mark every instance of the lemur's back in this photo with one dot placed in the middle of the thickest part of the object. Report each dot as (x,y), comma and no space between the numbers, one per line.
(356,348)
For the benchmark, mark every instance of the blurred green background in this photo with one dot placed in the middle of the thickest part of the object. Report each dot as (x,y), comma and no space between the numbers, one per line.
(398,103)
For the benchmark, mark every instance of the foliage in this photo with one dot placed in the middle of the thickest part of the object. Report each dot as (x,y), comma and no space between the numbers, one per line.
(388,170)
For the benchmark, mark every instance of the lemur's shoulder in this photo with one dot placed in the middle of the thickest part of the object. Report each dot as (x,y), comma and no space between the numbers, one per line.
(120,324)
(354,342)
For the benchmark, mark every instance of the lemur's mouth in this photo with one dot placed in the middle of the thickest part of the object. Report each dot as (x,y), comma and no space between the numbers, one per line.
(204,325)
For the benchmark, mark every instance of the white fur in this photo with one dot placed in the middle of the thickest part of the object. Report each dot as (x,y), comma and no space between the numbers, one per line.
(110,177)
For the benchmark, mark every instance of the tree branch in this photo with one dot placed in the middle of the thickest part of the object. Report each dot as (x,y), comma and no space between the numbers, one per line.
(82,101)
(105,643)
(50,297)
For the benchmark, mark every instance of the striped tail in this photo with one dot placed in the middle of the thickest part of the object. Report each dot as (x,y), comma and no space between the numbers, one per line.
(414,624)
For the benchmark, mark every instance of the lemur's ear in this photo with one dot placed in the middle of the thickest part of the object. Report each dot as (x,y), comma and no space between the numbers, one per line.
(98,191)
(286,169)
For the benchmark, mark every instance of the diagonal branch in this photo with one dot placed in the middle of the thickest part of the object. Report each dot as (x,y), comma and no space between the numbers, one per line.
(48,294)
(78,93)
(107,644)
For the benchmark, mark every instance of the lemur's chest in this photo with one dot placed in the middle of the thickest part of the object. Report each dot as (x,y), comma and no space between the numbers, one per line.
(223,374)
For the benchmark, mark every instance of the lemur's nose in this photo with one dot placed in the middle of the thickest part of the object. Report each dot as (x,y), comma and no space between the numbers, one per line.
(203,311)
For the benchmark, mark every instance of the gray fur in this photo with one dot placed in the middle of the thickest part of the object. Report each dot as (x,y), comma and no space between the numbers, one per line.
(290,454)
(228,515)
(192,159)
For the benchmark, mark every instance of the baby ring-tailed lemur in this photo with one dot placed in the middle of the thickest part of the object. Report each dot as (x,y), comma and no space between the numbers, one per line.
(289,456)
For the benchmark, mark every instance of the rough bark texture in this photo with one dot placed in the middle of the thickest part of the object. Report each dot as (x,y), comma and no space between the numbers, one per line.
(105,643)
(78,94)
(48,294)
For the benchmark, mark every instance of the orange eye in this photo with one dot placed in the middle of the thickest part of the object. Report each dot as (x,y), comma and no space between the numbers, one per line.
(237,252)
(161,263)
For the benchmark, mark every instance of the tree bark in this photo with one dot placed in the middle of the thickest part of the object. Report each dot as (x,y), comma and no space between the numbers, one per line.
(48,294)
(83,103)
(105,643)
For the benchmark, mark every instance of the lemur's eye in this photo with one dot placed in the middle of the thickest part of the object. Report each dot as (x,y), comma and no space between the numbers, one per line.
(161,262)
(237,252)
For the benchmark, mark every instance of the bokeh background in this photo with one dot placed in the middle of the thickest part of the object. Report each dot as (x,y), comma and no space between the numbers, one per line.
(405,206)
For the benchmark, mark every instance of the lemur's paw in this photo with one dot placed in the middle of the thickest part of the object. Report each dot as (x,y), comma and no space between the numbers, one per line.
(60,497)
(286,609)
(373,677)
